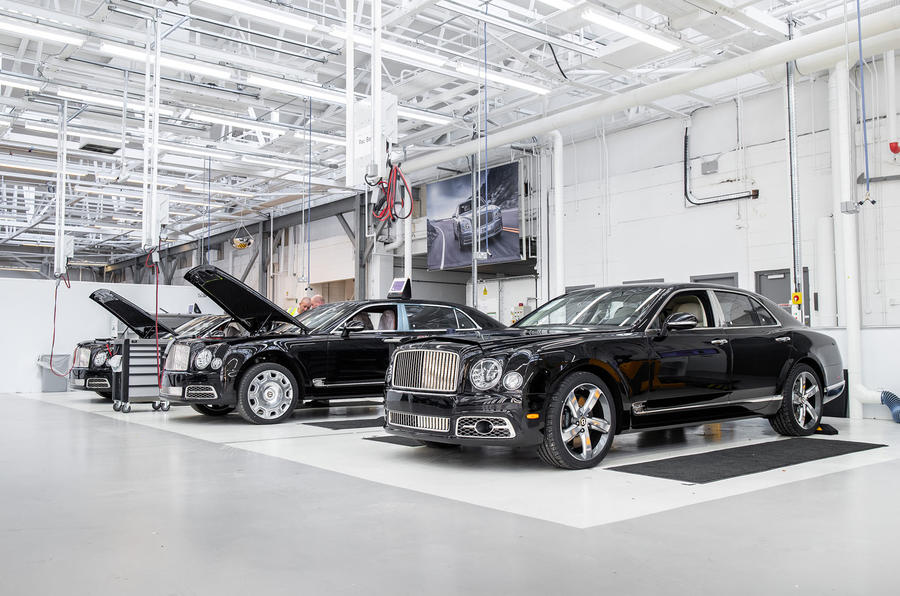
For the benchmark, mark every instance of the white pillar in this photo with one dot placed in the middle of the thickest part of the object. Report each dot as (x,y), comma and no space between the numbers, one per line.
(558,258)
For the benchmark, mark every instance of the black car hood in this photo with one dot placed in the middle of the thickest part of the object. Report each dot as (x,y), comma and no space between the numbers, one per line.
(251,309)
(514,337)
(135,318)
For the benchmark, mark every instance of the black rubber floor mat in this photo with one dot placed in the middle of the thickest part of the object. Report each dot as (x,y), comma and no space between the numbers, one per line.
(740,461)
(406,442)
(346,424)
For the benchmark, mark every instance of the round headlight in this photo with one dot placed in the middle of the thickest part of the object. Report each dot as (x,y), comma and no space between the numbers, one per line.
(512,381)
(485,374)
(216,364)
(203,358)
(100,358)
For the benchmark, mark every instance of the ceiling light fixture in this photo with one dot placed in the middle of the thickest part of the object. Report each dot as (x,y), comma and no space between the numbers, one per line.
(195,150)
(110,102)
(33,31)
(33,168)
(633,32)
(280,17)
(22,269)
(215,191)
(409,113)
(181,64)
(20,82)
(295,88)
(559,4)
(475,71)
(237,122)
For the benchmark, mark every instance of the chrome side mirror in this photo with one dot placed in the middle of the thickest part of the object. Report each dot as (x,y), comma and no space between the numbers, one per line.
(352,326)
(681,321)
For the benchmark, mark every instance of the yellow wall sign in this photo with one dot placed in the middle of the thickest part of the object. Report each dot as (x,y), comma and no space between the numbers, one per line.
(797,298)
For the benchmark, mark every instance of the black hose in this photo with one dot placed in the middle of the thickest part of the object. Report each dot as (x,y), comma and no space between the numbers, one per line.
(689,196)
(555,59)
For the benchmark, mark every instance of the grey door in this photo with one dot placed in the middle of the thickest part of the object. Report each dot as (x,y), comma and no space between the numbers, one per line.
(721,279)
(776,286)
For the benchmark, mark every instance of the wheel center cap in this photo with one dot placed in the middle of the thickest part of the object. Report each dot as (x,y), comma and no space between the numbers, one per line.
(583,422)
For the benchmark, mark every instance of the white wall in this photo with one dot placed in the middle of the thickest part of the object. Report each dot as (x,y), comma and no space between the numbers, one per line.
(27,321)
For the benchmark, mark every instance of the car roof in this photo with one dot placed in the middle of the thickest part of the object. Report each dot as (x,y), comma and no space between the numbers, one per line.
(668,286)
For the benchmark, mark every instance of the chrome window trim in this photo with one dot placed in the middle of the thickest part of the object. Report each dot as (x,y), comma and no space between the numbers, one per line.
(753,299)
(456,312)
(718,313)
(340,327)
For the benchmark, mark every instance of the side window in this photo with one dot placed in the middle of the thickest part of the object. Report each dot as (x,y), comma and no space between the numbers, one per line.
(377,318)
(738,310)
(762,314)
(463,321)
(695,303)
(425,317)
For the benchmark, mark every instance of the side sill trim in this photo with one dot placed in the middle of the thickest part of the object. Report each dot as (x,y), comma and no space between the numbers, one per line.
(640,409)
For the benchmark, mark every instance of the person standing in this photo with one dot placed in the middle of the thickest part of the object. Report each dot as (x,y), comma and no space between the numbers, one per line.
(317,301)
(304,305)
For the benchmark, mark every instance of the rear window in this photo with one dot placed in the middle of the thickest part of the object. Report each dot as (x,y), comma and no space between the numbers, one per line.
(738,310)
(427,317)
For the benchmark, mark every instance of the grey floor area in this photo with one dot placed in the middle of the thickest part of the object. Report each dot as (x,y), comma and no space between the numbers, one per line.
(91,505)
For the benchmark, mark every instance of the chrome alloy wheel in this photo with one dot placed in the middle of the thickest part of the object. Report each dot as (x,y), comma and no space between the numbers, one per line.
(584,423)
(270,393)
(806,400)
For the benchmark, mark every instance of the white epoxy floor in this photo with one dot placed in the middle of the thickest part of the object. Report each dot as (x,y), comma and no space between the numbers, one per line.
(511,481)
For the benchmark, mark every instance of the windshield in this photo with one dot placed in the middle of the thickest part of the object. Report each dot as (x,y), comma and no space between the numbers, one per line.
(607,307)
(323,315)
(198,325)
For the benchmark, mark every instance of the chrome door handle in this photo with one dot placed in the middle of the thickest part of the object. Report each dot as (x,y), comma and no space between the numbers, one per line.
(718,342)
(783,340)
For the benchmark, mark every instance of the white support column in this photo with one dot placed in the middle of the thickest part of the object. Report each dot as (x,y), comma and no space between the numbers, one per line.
(351,178)
(59,252)
(558,256)
(890,67)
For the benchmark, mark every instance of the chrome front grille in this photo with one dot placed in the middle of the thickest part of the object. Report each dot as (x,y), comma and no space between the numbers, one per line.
(97,383)
(490,427)
(439,424)
(428,370)
(200,392)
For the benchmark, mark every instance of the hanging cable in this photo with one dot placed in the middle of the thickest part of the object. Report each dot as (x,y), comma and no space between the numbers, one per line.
(208,206)
(862,90)
(65,278)
(309,194)
(555,59)
(389,206)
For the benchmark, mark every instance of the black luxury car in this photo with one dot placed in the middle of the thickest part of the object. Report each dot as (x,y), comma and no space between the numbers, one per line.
(336,351)
(596,362)
(91,368)
(490,217)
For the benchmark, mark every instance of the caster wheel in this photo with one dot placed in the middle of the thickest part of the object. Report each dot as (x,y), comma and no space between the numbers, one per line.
(164,406)
(156,407)
(126,408)
(117,406)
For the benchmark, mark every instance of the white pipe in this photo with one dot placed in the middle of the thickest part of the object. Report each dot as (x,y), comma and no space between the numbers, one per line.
(59,261)
(407,246)
(351,177)
(825,281)
(559,263)
(874,24)
(808,65)
(837,264)
(890,65)
(846,191)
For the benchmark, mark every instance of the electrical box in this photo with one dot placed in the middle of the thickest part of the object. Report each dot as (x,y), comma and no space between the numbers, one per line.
(363,154)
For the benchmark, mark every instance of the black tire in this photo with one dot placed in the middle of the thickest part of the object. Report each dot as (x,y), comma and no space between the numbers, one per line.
(794,418)
(212,410)
(438,445)
(250,403)
(555,450)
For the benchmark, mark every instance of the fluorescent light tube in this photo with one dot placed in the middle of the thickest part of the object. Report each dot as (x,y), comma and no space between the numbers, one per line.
(110,102)
(215,191)
(194,150)
(19,83)
(496,77)
(33,31)
(237,123)
(559,4)
(32,168)
(280,17)
(180,64)
(625,29)
(294,88)
(408,113)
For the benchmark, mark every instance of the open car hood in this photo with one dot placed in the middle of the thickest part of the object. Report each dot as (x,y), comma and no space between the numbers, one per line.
(252,310)
(135,318)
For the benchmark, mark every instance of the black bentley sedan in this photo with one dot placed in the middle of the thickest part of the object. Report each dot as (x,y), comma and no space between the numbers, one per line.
(91,368)
(335,351)
(593,363)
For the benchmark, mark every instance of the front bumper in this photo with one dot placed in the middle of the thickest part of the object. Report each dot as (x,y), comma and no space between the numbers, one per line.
(195,388)
(90,379)
(453,418)
(487,231)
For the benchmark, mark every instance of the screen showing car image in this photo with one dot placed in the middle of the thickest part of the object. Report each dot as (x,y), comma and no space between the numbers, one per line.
(451,234)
